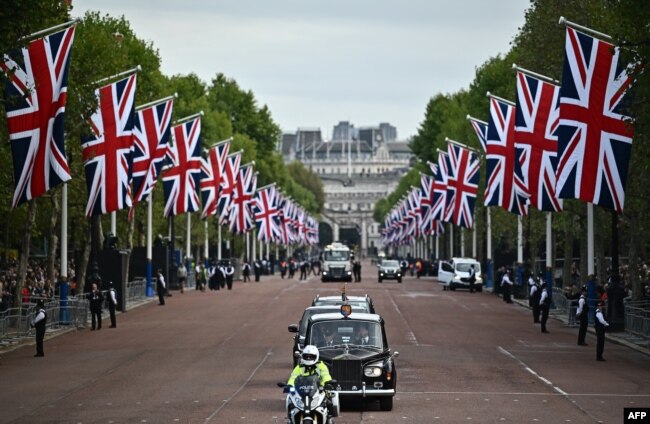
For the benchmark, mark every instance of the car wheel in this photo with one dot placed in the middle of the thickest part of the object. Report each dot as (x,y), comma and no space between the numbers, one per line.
(399,280)
(380,280)
(452,288)
(480,289)
(386,403)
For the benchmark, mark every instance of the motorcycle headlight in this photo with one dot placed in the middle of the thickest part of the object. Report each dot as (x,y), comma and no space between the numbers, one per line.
(298,402)
(315,402)
(372,371)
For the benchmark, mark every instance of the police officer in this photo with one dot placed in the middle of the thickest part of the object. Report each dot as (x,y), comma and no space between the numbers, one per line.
(112,302)
(257,269)
(160,287)
(228,272)
(96,298)
(472,278)
(39,321)
(535,295)
(544,306)
(310,365)
(600,324)
(506,285)
(246,271)
(582,314)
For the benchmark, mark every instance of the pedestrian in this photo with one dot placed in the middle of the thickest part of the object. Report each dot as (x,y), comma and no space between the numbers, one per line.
(182,275)
(112,303)
(356,268)
(221,275)
(39,321)
(600,324)
(472,278)
(506,286)
(257,270)
(292,268)
(283,269)
(544,306)
(200,277)
(582,314)
(246,270)
(535,295)
(228,273)
(96,299)
(212,275)
(160,287)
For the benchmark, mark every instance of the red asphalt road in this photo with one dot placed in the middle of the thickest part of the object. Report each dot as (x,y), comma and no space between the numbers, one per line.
(216,356)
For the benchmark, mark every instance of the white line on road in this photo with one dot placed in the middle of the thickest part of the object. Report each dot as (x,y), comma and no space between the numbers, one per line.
(404,393)
(250,377)
(530,370)
(410,336)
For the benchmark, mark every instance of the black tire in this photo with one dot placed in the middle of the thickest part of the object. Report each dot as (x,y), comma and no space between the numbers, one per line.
(380,280)
(386,403)
(399,280)
(452,288)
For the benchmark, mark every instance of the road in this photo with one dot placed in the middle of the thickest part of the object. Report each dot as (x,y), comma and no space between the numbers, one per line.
(216,357)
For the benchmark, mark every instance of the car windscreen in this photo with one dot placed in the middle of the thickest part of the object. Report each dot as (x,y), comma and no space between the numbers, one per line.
(357,305)
(311,312)
(337,255)
(350,332)
(390,264)
(464,267)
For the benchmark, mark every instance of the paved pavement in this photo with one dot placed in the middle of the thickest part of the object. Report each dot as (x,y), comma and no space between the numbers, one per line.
(216,356)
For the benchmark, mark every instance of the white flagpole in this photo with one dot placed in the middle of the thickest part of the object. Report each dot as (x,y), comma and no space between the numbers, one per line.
(520,240)
(114,224)
(149,245)
(549,241)
(474,253)
(489,235)
(206,246)
(218,240)
(437,246)
(462,242)
(187,241)
(254,247)
(50,30)
(248,245)
(451,241)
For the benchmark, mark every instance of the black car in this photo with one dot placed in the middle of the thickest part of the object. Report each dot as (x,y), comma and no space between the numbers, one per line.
(300,329)
(360,303)
(355,350)
(389,270)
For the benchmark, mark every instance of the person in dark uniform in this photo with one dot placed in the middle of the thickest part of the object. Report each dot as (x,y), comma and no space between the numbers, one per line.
(582,314)
(160,287)
(506,285)
(472,278)
(257,269)
(228,272)
(600,324)
(221,275)
(535,295)
(544,306)
(246,271)
(112,303)
(96,298)
(39,321)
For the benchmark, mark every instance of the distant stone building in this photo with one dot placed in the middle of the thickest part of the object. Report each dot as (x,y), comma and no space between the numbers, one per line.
(358,167)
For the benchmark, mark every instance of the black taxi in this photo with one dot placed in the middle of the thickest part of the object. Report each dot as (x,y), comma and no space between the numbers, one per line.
(354,347)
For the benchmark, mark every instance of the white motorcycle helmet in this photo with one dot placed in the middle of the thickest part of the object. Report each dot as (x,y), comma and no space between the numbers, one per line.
(309,356)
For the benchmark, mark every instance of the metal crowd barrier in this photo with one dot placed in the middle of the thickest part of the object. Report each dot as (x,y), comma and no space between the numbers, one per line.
(637,319)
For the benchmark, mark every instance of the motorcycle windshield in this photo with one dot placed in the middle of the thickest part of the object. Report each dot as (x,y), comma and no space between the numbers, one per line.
(306,385)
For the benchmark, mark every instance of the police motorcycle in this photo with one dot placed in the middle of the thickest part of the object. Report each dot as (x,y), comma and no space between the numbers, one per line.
(306,403)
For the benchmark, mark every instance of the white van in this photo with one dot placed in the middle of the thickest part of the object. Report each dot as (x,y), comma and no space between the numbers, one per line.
(455,274)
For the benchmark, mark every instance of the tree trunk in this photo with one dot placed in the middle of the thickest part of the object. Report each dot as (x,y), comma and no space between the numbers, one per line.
(54,238)
(82,267)
(24,254)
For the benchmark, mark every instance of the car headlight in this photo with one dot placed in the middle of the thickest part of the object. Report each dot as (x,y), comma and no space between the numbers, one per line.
(349,272)
(381,273)
(324,272)
(372,371)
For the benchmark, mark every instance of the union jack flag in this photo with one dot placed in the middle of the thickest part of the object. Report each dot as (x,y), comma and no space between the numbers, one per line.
(284,227)
(266,213)
(462,185)
(241,215)
(505,186)
(211,177)
(594,141)
(480,128)
(414,213)
(440,187)
(181,180)
(108,152)
(537,119)
(228,186)
(35,96)
(426,201)
(151,134)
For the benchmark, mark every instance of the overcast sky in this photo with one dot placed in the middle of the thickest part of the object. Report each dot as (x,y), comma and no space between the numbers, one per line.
(317,62)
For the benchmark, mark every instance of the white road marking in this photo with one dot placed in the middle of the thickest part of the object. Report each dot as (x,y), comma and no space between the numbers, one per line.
(410,335)
(250,377)
(404,393)
(530,370)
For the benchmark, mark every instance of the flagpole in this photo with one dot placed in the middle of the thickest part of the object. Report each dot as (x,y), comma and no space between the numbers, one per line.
(114,224)
(459,144)
(549,248)
(206,246)
(488,235)
(248,245)
(121,74)
(471,118)
(535,74)
(63,278)
(501,99)
(218,240)
(264,187)
(156,102)
(149,246)
(474,253)
(520,249)
(451,241)
(187,242)
(49,30)
(564,22)
(254,247)
(590,239)
(188,118)
(228,140)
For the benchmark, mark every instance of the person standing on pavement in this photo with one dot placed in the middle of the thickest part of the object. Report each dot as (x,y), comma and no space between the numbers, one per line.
(257,269)
(112,303)
(96,298)
(39,321)
(600,324)
(160,287)
(582,314)
(472,278)
(246,271)
(182,275)
(544,306)
(506,285)
(535,295)
(228,272)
